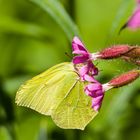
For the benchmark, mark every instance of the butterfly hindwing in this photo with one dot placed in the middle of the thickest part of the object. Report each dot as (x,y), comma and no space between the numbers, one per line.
(75,110)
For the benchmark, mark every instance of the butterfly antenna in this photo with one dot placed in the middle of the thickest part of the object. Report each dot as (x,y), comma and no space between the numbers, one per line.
(97,64)
(68,55)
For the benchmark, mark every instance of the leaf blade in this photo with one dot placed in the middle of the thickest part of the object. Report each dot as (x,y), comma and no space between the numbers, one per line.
(58,13)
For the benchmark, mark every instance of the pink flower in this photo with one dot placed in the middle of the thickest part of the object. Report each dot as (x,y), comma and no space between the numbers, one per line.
(95,90)
(88,69)
(84,57)
(134,21)
(97,102)
(138,1)
(78,48)
(87,72)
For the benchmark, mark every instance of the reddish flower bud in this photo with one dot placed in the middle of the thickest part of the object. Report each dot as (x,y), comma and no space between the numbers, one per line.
(114,52)
(134,53)
(132,56)
(124,79)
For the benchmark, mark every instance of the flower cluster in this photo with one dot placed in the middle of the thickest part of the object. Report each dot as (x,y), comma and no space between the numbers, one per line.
(87,70)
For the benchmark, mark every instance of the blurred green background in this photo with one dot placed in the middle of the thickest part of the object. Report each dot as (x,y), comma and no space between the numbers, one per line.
(35,34)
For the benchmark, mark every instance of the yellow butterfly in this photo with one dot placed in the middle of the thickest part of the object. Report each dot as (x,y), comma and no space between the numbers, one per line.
(58,92)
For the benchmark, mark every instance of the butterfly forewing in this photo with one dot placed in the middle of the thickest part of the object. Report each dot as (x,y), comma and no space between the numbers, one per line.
(45,91)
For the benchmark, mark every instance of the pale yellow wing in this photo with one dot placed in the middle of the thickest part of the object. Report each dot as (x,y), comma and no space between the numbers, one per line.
(75,111)
(46,90)
(58,92)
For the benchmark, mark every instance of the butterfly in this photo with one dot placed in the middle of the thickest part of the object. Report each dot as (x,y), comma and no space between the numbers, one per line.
(58,93)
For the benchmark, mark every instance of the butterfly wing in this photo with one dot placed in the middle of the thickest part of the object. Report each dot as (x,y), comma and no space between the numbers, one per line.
(75,110)
(43,92)
(55,92)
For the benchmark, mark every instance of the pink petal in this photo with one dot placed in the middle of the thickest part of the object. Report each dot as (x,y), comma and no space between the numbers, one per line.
(134,21)
(79,59)
(99,92)
(80,52)
(89,78)
(89,93)
(94,87)
(94,71)
(97,102)
(94,90)
(92,68)
(96,107)
(138,1)
(83,70)
(78,45)
(77,41)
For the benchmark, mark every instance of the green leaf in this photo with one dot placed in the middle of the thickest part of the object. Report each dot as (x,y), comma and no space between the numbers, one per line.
(59,93)
(23,28)
(58,13)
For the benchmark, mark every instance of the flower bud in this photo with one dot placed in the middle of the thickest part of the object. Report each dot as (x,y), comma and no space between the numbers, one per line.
(124,79)
(132,56)
(134,53)
(114,52)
